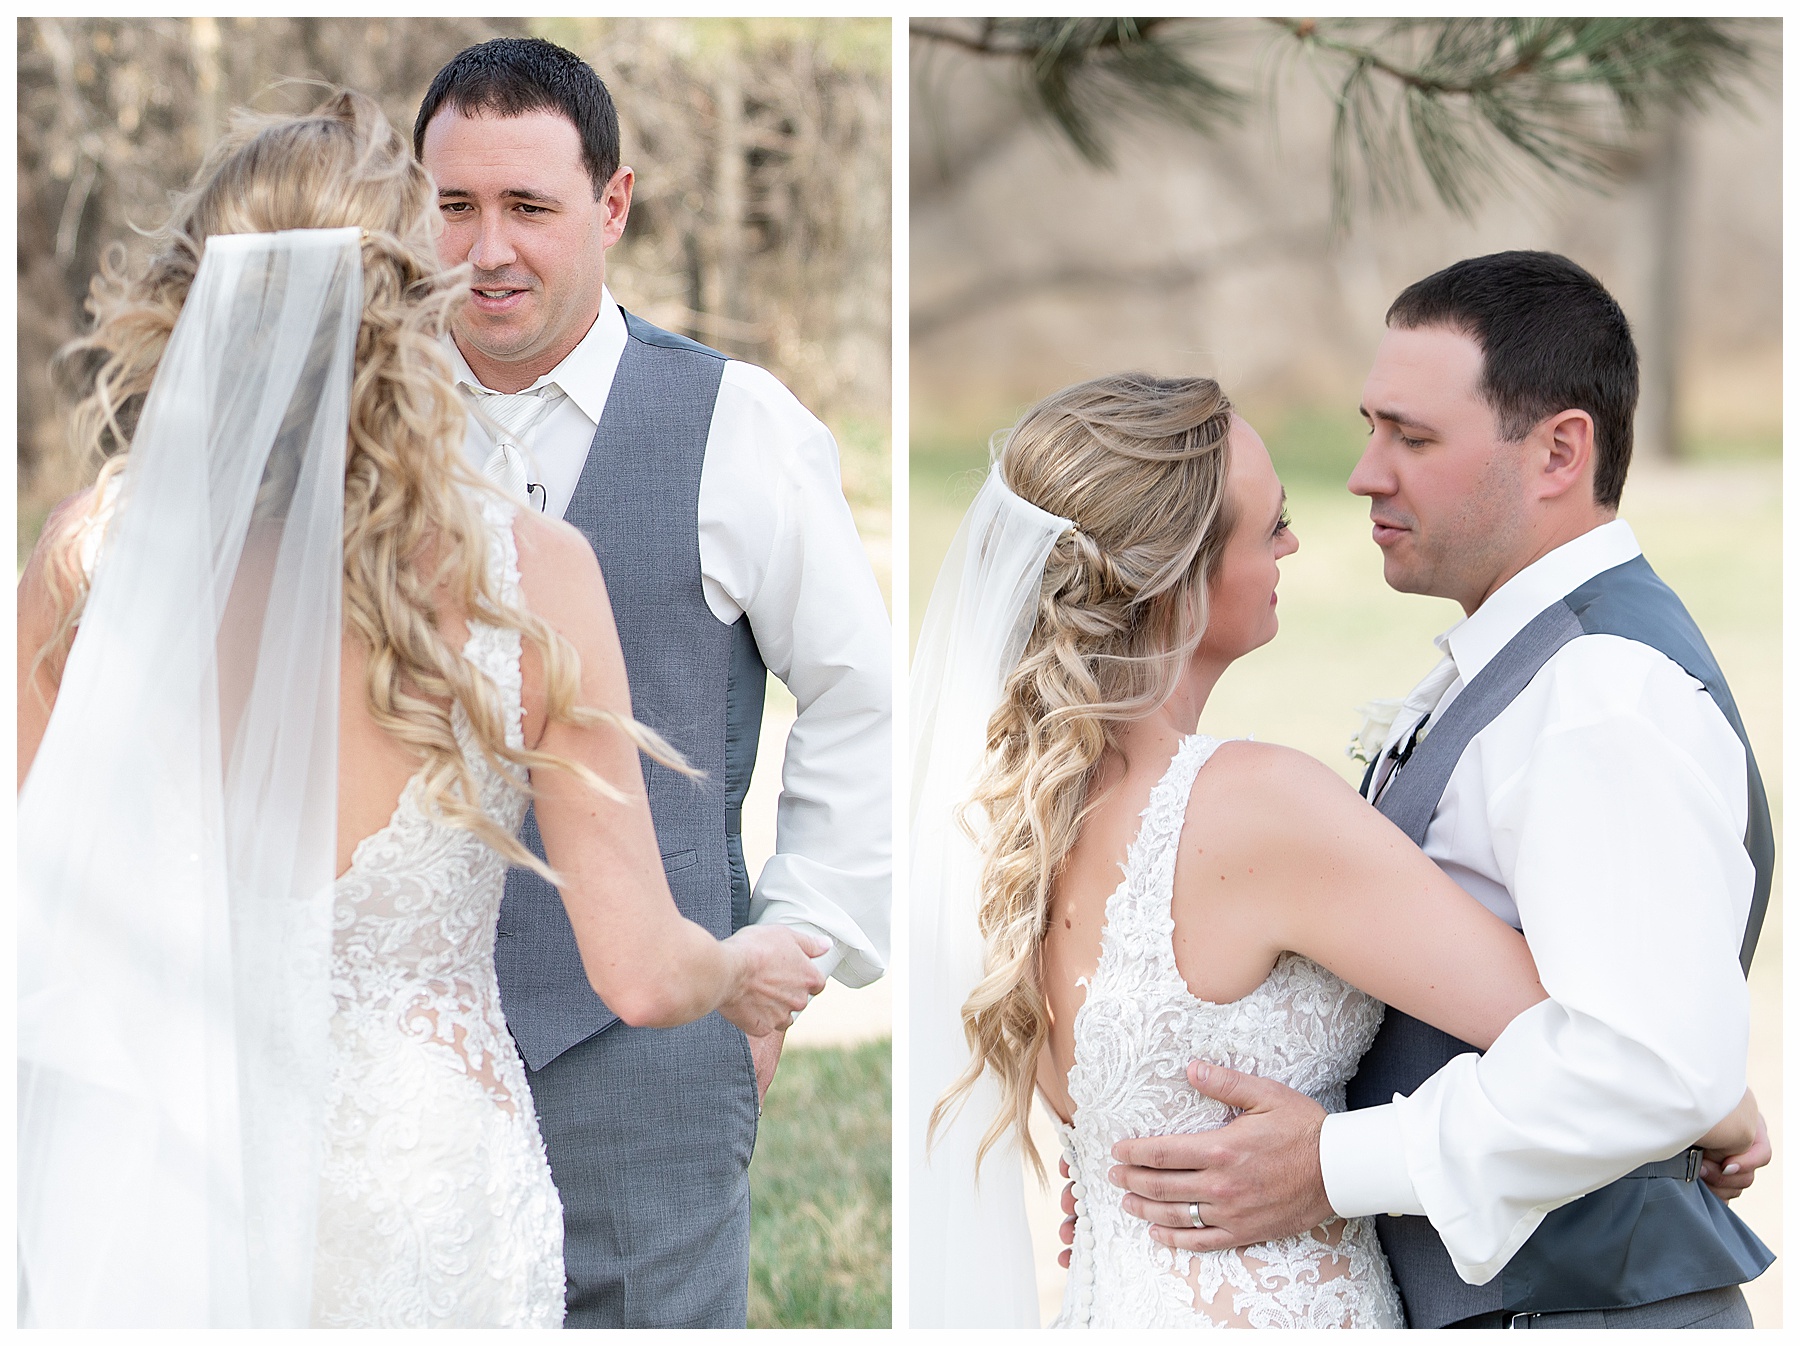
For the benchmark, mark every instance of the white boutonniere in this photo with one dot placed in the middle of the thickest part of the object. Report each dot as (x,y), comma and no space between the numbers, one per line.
(1378,721)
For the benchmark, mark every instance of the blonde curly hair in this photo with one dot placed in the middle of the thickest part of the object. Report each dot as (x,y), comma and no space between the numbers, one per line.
(413,532)
(1138,463)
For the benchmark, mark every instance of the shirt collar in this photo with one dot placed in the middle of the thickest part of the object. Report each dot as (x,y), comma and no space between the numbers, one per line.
(1476,639)
(585,374)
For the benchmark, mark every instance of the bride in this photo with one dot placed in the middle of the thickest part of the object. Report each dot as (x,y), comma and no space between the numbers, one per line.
(1122,553)
(289,673)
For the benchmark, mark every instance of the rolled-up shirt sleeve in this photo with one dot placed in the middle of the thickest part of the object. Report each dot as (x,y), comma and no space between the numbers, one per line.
(1616,801)
(778,543)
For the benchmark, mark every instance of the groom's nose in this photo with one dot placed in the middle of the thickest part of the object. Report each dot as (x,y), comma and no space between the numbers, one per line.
(492,248)
(1369,477)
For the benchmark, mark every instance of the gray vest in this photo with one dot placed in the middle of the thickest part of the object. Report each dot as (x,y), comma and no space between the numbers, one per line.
(1654,1233)
(696,681)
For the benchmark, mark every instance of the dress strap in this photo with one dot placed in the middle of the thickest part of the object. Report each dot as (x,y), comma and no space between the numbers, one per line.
(496,650)
(1139,921)
(503,547)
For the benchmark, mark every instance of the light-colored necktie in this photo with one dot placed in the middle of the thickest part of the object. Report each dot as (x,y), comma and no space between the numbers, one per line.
(517,416)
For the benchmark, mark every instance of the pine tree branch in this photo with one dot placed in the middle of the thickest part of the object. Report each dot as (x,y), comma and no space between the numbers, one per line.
(1556,92)
(1546,88)
(1001,37)
(1090,74)
(1307,30)
(982,42)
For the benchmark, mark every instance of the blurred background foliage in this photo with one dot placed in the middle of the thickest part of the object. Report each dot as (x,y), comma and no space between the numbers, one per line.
(760,223)
(1243,198)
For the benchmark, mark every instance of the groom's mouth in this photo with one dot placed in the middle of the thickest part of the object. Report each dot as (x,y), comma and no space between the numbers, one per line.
(497,300)
(1385,533)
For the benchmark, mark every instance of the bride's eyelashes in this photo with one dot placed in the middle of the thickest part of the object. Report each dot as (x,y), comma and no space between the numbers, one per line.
(1285,522)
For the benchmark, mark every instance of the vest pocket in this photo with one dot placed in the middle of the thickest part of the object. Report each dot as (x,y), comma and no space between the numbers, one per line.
(680,860)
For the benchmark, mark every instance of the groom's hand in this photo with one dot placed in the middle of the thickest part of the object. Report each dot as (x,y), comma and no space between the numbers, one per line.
(1067,1232)
(1255,1178)
(765,1052)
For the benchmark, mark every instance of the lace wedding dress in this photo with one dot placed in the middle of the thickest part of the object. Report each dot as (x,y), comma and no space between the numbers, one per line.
(436,1206)
(1134,1036)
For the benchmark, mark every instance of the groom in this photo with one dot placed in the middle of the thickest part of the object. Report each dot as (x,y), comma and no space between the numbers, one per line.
(712,499)
(1577,764)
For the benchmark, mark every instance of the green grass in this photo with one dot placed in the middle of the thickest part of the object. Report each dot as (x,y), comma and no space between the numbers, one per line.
(821,1228)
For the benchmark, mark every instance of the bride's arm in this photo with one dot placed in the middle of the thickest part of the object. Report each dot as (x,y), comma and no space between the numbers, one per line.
(651,965)
(1328,877)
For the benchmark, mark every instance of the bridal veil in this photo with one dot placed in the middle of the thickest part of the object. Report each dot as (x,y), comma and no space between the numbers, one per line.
(970,1246)
(177,830)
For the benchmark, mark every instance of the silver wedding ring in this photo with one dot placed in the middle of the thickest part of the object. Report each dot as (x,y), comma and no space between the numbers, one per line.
(1194,1215)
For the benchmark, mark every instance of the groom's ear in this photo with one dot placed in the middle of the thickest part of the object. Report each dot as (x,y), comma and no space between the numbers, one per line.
(1565,455)
(615,204)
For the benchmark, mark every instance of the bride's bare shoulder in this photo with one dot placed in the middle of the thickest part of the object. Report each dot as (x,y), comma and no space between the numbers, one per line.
(561,584)
(66,515)
(550,544)
(36,584)
(1246,764)
(1252,793)
(557,569)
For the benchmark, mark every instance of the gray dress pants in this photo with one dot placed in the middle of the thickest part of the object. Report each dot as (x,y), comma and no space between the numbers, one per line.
(1703,1308)
(649,1133)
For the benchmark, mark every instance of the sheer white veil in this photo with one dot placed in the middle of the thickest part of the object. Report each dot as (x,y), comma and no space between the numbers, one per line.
(177,832)
(971,1260)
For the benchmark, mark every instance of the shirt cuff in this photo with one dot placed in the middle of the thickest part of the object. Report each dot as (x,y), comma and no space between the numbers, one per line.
(1362,1158)
(826,962)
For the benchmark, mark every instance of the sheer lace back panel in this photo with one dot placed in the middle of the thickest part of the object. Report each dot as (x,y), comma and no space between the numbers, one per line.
(437,1207)
(1135,1033)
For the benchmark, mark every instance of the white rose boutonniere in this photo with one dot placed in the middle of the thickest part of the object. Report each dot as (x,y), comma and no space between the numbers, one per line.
(1378,720)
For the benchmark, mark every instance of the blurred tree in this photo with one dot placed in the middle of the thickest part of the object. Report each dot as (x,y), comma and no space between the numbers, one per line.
(761,217)
(115,114)
(1448,96)
(1473,104)
(764,191)
(1086,74)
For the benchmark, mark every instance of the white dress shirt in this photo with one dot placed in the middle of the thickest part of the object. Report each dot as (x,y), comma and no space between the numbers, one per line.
(1602,813)
(777,542)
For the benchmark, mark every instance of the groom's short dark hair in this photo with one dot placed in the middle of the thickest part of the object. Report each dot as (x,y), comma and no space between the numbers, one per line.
(1552,339)
(511,76)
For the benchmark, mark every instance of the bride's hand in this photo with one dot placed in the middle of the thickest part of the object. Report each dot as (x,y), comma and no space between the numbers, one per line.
(1735,1149)
(775,977)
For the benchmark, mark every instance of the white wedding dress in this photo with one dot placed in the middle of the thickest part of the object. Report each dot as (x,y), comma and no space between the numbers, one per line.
(436,1206)
(1134,1036)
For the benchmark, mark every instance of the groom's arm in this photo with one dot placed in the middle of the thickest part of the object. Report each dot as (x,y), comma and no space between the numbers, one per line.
(1620,835)
(778,543)
(1618,819)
